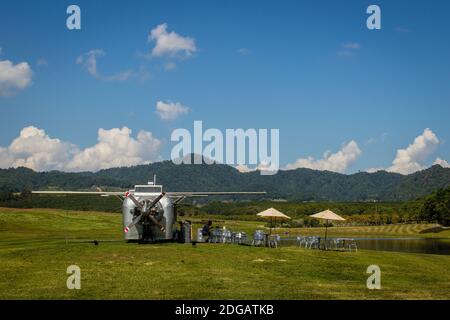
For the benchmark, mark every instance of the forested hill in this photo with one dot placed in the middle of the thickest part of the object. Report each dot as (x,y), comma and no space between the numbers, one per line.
(293,185)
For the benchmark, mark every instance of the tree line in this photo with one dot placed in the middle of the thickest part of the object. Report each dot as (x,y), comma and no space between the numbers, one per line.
(432,208)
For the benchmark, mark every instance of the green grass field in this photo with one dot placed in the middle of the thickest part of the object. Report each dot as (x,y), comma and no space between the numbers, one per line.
(37,245)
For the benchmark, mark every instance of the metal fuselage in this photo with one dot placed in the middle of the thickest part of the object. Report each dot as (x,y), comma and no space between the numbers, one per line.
(164,213)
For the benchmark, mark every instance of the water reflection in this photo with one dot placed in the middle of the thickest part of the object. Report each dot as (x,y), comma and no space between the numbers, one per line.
(432,246)
(414,245)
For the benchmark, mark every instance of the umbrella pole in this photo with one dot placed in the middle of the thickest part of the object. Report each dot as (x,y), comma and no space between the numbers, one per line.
(326,232)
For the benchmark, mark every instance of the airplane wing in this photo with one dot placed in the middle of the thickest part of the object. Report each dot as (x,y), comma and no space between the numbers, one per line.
(213,193)
(170,194)
(180,196)
(177,197)
(108,193)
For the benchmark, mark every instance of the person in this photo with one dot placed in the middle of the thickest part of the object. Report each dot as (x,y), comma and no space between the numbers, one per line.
(206,230)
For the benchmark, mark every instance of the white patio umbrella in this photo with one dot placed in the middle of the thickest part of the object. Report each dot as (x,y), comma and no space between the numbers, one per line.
(327,215)
(273,215)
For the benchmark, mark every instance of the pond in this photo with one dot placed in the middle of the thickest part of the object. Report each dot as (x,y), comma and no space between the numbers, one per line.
(413,245)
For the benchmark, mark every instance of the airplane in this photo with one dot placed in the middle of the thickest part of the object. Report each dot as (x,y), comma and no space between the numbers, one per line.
(148,213)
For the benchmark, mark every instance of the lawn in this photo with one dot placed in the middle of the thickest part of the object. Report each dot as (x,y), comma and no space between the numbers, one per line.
(37,245)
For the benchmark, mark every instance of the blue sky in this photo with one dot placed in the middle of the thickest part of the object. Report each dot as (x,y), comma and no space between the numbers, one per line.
(310,68)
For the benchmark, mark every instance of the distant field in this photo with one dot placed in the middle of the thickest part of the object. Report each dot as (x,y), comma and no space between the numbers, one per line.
(37,245)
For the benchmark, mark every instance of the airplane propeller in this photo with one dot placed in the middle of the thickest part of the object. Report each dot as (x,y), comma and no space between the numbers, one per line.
(145,210)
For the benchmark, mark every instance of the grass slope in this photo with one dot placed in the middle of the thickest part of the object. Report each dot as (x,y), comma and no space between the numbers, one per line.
(34,256)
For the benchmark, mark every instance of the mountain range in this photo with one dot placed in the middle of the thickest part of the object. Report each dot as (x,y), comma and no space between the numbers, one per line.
(292,185)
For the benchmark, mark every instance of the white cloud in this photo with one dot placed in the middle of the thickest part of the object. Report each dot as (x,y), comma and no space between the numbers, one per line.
(243,168)
(6,159)
(243,51)
(411,159)
(348,49)
(373,170)
(351,45)
(337,162)
(170,111)
(116,148)
(263,166)
(13,77)
(89,61)
(36,150)
(443,163)
(170,43)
